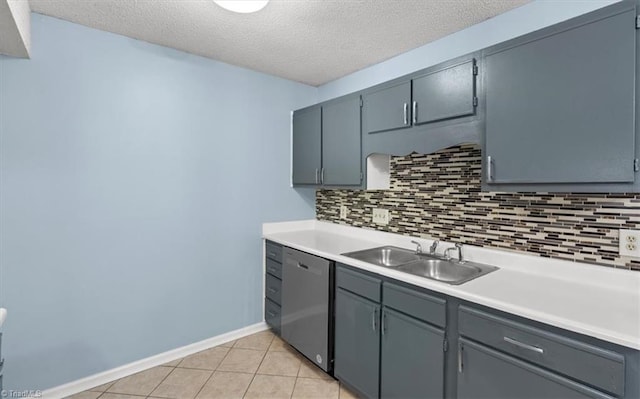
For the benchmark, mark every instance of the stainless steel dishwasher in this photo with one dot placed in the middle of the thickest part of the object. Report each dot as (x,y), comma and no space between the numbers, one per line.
(307,306)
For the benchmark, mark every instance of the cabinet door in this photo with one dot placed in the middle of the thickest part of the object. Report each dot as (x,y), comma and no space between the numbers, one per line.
(412,358)
(445,94)
(560,105)
(387,109)
(357,342)
(307,146)
(486,373)
(341,142)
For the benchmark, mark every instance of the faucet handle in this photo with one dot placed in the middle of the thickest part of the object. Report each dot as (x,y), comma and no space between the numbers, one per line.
(419,247)
(434,246)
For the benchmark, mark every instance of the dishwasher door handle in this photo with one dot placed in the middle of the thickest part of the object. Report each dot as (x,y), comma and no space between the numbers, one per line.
(302,266)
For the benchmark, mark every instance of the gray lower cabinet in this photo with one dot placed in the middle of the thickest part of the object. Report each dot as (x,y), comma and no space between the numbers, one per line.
(487,373)
(273,286)
(389,339)
(307,146)
(357,342)
(412,360)
(560,106)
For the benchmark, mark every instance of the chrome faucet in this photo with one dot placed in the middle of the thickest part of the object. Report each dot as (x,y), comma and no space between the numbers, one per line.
(458,247)
(418,247)
(433,247)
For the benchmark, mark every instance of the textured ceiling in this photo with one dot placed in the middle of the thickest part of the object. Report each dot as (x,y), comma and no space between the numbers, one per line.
(310,41)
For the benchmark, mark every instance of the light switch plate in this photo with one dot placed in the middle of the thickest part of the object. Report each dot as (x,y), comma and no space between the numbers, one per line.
(629,243)
(380,216)
(344,211)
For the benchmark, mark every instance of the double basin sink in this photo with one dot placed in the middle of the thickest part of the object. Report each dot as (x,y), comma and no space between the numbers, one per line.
(423,265)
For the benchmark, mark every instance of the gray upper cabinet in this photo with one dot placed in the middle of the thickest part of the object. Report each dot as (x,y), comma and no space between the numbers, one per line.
(424,112)
(445,93)
(327,144)
(387,108)
(341,142)
(307,145)
(560,105)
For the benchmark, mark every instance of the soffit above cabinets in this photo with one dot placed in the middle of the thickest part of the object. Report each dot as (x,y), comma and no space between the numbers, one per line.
(309,41)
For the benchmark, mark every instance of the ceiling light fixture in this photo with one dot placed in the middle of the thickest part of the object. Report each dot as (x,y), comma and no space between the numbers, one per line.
(242,6)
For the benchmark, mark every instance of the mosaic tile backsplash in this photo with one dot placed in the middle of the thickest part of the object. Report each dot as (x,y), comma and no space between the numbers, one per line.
(438,196)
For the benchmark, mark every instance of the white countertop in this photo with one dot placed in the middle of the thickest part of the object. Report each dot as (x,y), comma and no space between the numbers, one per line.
(598,301)
(3,316)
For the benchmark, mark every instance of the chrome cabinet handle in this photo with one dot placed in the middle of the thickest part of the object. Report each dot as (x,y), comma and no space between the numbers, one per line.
(405,111)
(322,176)
(460,358)
(383,328)
(489,168)
(316,175)
(272,290)
(524,346)
(302,266)
(414,112)
(273,254)
(373,319)
(271,314)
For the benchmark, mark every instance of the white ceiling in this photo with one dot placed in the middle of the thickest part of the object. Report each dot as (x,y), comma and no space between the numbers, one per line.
(309,41)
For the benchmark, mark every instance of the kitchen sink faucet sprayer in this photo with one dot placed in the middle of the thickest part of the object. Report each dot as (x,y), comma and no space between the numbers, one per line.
(418,247)
(433,247)
(458,247)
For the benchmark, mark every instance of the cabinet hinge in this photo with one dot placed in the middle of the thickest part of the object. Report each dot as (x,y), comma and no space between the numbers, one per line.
(475,70)
(445,345)
(636,165)
(475,101)
(637,21)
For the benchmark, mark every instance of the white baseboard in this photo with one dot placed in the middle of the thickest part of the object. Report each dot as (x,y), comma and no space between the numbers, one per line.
(91,381)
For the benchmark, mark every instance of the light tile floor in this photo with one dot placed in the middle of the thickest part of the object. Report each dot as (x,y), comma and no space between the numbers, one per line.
(257,366)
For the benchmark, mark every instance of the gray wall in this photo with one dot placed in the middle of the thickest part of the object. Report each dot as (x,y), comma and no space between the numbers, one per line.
(134,180)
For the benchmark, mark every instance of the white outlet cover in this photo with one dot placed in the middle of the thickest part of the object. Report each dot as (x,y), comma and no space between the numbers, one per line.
(629,243)
(380,216)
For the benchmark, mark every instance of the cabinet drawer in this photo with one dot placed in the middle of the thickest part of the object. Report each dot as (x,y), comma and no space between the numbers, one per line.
(596,366)
(273,251)
(273,289)
(358,283)
(274,268)
(272,314)
(417,304)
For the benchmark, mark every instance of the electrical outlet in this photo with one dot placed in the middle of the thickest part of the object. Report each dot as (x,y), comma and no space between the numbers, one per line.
(380,216)
(629,244)
(344,211)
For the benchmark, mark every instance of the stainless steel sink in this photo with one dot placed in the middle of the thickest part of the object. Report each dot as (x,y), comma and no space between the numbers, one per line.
(387,256)
(447,271)
(428,266)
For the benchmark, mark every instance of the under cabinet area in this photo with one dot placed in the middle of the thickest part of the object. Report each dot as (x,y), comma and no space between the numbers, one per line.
(327,144)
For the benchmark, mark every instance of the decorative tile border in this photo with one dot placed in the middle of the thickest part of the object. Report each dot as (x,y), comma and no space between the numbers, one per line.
(439,196)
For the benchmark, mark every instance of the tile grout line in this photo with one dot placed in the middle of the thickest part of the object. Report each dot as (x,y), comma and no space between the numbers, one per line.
(216,369)
(261,361)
